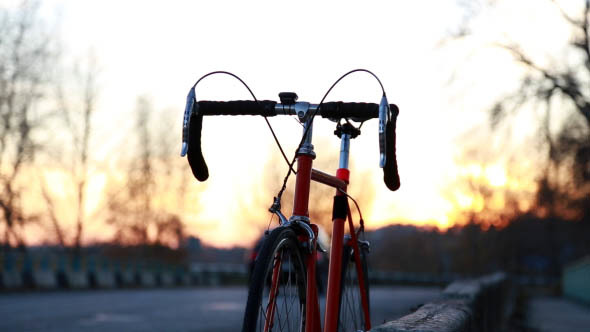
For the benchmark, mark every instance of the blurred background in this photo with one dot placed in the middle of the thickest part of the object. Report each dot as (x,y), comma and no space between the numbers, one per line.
(493,146)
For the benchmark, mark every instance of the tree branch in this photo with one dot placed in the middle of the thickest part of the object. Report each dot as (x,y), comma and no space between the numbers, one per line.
(566,83)
(52,216)
(584,26)
(566,16)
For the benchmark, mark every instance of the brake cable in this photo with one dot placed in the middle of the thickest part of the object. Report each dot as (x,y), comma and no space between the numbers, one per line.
(256,100)
(277,199)
(361,220)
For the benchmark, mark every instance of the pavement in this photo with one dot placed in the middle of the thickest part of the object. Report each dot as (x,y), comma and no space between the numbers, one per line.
(180,309)
(557,314)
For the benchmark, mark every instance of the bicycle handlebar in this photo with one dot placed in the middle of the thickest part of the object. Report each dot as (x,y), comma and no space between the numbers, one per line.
(333,110)
(237,107)
(194,112)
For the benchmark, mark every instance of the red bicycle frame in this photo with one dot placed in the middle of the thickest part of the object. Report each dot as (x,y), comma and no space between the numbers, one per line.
(305,174)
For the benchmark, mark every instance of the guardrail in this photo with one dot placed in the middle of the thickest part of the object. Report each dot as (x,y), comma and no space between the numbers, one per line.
(481,304)
(48,272)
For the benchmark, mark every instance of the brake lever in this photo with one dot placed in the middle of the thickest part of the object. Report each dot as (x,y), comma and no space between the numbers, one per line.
(383,117)
(188,111)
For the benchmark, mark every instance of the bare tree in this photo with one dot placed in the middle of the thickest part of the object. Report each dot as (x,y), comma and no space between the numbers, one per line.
(26,60)
(135,208)
(76,109)
(562,93)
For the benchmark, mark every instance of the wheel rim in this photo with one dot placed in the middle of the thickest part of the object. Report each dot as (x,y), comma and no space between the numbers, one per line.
(351,309)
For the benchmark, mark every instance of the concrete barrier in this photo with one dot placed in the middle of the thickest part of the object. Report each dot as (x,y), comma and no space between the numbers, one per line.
(104,274)
(166,279)
(75,273)
(481,305)
(210,274)
(105,279)
(125,278)
(45,279)
(77,279)
(12,280)
(44,273)
(146,278)
(446,315)
(10,272)
(22,271)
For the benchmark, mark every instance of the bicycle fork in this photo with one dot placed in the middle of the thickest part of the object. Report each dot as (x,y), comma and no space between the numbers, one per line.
(272,299)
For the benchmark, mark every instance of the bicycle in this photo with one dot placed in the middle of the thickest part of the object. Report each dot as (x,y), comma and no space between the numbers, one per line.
(283,292)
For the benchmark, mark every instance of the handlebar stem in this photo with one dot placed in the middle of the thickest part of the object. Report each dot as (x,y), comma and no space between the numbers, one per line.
(307,147)
(302,109)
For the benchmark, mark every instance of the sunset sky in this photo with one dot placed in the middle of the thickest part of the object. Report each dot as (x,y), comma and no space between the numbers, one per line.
(443,88)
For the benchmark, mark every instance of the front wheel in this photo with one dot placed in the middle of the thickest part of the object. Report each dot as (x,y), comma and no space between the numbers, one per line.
(352,311)
(276,298)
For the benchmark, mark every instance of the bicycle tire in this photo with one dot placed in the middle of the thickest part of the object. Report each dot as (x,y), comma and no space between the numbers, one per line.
(351,316)
(289,306)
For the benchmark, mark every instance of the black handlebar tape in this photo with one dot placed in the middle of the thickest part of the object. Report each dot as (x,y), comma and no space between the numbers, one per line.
(390,173)
(238,107)
(355,111)
(195,154)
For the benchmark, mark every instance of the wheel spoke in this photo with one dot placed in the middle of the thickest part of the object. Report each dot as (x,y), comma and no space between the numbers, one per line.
(279,307)
(351,309)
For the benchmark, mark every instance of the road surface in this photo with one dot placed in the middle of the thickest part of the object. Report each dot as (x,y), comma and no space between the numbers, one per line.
(189,309)
(557,314)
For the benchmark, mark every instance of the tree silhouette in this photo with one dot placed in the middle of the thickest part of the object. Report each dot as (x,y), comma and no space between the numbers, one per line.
(562,93)
(27,55)
(144,209)
(77,105)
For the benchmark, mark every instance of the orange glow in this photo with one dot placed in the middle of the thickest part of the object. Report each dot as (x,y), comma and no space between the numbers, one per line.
(224,215)
(490,186)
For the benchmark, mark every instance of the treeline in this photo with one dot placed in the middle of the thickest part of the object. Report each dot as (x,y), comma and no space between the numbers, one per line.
(190,250)
(528,245)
